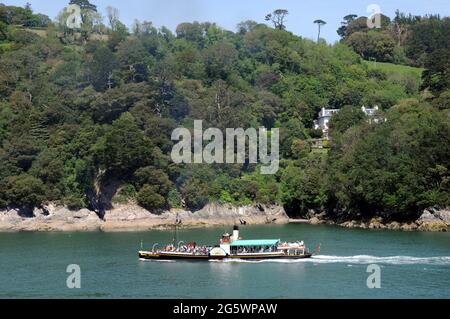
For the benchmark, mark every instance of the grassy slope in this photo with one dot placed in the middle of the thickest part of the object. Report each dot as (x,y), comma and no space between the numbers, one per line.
(390,68)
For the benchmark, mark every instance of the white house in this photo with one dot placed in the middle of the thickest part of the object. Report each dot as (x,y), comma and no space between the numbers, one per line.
(370,112)
(325,116)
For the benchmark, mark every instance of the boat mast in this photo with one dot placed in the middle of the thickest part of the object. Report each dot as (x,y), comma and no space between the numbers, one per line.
(174,234)
(177,222)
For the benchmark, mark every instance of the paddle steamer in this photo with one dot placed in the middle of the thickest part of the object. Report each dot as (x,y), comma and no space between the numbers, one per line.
(230,247)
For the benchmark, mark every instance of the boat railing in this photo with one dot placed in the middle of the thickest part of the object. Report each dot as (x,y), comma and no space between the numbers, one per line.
(257,253)
(184,249)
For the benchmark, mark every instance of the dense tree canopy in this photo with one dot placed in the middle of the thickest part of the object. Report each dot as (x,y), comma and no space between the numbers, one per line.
(406,39)
(85,117)
(22,16)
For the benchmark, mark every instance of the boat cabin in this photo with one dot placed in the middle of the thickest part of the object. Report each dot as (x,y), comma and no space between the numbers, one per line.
(254,246)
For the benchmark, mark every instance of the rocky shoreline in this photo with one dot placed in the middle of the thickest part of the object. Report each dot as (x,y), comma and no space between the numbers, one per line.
(130,217)
(432,219)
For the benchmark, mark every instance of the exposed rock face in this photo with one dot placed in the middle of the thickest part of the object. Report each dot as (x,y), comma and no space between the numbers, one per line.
(394,226)
(128,217)
(228,214)
(434,220)
(431,220)
(427,217)
(444,215)
(132,217)
(51,218)
(376,223)
(316,221)
(409,227)
(435,215)
(316,218)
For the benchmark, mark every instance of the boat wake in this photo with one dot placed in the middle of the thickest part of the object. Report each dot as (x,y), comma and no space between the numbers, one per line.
(357,260)
(160,261)
(392,260)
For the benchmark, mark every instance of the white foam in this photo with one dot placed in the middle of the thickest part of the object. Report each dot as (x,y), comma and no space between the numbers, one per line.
(391,260)
(358,259)
(157,260)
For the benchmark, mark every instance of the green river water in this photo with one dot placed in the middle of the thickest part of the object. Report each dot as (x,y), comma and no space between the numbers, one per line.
(413,265)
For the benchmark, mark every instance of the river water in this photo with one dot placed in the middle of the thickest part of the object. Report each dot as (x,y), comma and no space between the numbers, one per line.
(412,264)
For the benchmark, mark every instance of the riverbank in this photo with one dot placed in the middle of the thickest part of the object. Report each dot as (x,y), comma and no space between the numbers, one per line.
(131,217)
(432,219)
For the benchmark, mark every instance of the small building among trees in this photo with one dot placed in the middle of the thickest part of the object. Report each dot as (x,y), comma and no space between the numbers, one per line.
(325,116)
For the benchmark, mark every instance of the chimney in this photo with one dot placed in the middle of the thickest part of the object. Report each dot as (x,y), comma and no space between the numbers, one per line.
(235,233)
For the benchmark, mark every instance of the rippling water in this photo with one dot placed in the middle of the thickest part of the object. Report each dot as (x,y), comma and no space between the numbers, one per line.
(413,265)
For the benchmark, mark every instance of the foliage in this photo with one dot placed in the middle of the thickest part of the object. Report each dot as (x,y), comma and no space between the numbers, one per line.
(79,113)
(395,167)
(347,117)
(303,184)
(24,190)
(22,16)
(406,39)
(149,198)
(278,18)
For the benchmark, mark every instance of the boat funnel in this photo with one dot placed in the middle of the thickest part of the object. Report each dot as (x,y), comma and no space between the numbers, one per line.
(235,233)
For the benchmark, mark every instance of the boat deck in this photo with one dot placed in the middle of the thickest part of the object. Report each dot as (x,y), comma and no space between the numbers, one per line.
(191,256)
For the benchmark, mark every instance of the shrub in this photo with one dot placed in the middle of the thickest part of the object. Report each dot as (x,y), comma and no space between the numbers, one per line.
(126,193)
(74,202)
(174,199)
(25,190)
(149,198)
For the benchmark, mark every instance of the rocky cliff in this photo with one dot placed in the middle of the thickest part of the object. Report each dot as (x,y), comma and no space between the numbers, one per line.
(432,219)
(131,217)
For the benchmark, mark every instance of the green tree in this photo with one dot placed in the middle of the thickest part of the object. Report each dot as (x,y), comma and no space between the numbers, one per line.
(24,190)
(154,177)
(195,193)
(320,24)
(394,167)
(348,19)
(436,77)
(220,59)
(347,117)
(373,45)
(3,31)
(102,67)
(148,198)
(123,148)
(278,18)
(192,32)
(134,60)
(304,186)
